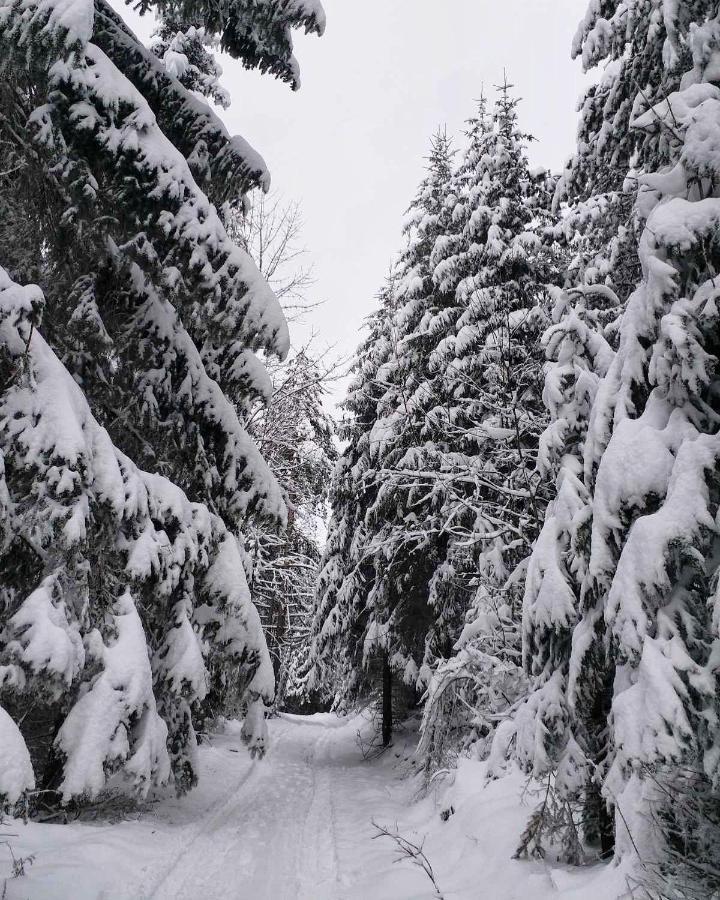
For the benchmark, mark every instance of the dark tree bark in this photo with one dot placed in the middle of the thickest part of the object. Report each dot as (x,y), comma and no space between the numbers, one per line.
(386,703)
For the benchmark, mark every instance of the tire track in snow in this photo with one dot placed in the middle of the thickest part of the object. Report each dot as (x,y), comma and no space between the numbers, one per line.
(207,824)
(318,873)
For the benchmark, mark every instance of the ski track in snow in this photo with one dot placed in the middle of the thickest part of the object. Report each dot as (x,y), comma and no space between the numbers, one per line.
(273,837)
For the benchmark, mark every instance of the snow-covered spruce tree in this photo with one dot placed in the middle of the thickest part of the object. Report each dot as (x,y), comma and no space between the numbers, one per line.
(653,569)
(486,386)
(596,222)
(436,506)
(638,715)
(404,552)
(542,732)
(118,171)
(113,581)
(595,195)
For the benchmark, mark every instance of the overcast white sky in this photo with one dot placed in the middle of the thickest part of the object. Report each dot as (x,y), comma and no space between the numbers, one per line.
(350,144)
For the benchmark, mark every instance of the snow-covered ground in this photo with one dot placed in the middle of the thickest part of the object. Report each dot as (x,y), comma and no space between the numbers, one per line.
(297,825)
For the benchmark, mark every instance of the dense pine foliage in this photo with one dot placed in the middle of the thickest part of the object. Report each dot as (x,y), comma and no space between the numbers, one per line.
(445,415)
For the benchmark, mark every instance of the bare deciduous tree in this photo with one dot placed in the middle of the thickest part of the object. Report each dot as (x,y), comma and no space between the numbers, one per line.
(297,437)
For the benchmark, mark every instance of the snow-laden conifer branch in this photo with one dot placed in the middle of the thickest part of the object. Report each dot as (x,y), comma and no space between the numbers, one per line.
(128,476)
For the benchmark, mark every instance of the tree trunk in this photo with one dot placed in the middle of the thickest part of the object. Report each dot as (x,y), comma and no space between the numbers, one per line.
(386,703)
(598,821)
(607,831)
(38,723)
(599,818)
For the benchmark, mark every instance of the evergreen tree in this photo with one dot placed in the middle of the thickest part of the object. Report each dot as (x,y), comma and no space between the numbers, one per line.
(627,695)
(104,655)
(445,501)
(404,552)
(117,583)
(652,569)
(545,738)
(357,625)
(486,385)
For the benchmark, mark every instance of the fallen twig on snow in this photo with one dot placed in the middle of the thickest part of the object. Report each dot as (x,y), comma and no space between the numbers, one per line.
(412,852)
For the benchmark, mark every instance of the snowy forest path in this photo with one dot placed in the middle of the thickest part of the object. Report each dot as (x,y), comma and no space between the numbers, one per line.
(296,825)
